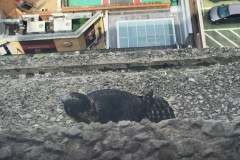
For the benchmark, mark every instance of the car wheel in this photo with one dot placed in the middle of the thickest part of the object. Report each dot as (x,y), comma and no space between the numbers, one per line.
(215,1)
(216,23)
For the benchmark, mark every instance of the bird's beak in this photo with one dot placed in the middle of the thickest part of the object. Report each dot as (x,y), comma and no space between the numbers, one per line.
(61,98)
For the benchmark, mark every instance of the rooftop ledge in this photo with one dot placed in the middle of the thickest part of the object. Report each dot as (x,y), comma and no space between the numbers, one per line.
(170,139)
(140,57)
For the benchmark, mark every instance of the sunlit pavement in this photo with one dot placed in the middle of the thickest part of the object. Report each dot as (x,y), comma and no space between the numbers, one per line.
(223,34)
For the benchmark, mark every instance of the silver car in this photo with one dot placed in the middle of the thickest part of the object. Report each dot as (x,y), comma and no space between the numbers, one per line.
(226,13)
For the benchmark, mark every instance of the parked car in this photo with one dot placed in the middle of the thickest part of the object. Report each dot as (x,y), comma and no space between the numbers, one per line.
(226,13)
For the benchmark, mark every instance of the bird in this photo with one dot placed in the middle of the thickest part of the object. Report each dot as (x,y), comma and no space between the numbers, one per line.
(115,105)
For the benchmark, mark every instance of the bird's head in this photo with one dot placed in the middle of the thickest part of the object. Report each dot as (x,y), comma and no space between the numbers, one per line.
(80,107)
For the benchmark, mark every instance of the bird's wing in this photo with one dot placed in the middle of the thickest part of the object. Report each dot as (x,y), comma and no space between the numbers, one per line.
(117,105)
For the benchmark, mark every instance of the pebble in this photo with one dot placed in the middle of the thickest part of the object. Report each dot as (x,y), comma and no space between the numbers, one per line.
(225,109)
(218,111)
(5,152)
(238,112)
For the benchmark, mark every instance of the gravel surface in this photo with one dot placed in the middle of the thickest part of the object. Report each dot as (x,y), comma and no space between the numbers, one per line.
(30,97)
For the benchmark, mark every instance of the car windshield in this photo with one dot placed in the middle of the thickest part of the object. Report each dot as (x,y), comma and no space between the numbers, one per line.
(223,11)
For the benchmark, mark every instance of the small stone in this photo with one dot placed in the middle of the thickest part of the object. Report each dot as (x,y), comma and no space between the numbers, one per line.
(129,131)
(38,139)
(230,99)
(141,136)
(65,140)
(133,147)
(210,116)
(74,131)
(236,133)
(36,125)
(235,102)
(127,157)
(112,140)
(96,151)
(229,131)
(166,154)
(225,143)
(225,109)
(5,152)
(109,155)
(124,123)
(218,111)
(185,148)
(68,121)
(49,145)
(191,79)
(238,112)
(52,119)
(207,152)
(60,117)
(157,144)
(59,147)
(201,101)
(212,128)
(28,116)
(59,111)
(91,137)
(36,151)
(139,127)
(55,147)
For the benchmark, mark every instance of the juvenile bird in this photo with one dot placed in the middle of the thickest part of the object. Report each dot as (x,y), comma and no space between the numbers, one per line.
(115,105)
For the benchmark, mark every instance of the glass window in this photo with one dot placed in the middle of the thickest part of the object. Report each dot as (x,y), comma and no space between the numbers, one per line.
(122,29)
(160,41)
(169,39)
(140,33)
(151,41)
(150,28)
(142,42)
(223,11)
(123,42)
(132,29)
(141,29)
(159,28)
(168,27)
(133,42)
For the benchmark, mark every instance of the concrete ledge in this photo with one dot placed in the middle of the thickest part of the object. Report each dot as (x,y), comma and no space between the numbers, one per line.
(170,139)
(145,57)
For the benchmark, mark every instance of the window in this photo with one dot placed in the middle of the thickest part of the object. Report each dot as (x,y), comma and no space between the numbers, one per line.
(142,33)
(223,11)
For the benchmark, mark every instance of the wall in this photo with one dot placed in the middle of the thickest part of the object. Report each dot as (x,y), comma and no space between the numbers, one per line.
(195,139)
(82,42)
(77,44)
(183,21)
(17,48)
(99,23)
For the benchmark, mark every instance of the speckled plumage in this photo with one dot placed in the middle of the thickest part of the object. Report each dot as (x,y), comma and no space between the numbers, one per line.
(160,110)
(115,105)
